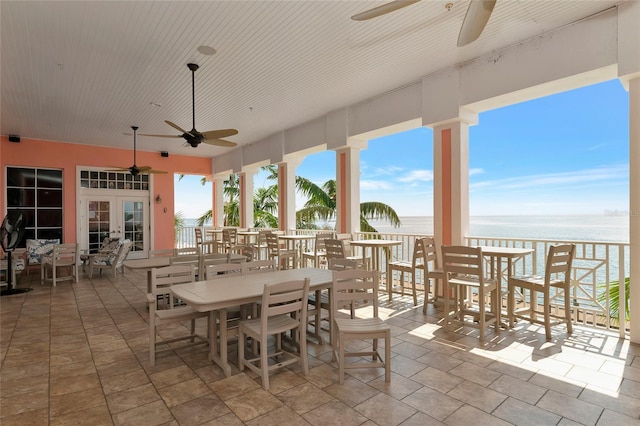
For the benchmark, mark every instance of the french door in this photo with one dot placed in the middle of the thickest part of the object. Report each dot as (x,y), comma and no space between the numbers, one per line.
(116,217)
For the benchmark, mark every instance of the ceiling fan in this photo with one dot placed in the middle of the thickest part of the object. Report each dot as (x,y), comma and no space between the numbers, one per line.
(476,18)
(194,137)
(136,170)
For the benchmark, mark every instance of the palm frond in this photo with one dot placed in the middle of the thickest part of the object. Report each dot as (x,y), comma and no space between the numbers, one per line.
(377,210)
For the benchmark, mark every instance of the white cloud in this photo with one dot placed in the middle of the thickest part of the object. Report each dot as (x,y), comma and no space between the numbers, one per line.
(476,171)
(384,171)
(373,185)
(555,179)
(417,176)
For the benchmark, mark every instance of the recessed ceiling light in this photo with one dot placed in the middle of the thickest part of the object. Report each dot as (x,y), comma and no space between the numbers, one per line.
(207,50)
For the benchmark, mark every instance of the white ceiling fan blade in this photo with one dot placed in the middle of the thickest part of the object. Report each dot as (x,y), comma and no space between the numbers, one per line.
(222,133)
(175,126)
(475,20)
(220,142)
(383,9)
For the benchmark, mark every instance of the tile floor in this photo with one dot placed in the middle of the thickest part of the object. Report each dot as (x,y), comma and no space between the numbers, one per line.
(77,354)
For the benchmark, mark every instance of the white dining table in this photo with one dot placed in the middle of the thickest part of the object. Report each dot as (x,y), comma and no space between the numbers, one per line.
(162,261)
(495,255)
(217,295)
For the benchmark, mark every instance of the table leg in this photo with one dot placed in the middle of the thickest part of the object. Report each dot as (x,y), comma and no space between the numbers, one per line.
(318,318)
(218,349)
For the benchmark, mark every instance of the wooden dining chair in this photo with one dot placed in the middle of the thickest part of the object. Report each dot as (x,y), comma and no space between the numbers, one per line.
(161,281)
(287,258)
(337,257)
(557,276)
(63,256)
(257,266)
(319,251)
(284,308)
(112,261)
(351,287)
(465,276)
(193,260)
(433,272)
(407,267)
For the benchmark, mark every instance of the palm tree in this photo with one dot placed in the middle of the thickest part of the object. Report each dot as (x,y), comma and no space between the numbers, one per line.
(178,224)
(614,299)
(265,207)
(322,206)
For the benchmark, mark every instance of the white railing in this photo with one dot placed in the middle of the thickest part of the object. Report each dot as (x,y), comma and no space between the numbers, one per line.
(596,266)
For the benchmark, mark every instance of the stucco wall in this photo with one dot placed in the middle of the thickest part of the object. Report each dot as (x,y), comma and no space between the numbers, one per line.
(66,156)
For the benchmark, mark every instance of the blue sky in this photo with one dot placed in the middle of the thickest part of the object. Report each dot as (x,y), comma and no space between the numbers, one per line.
(562,154)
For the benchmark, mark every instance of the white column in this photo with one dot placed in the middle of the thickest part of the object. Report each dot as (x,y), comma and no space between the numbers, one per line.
(246,198)
(287,193)
(217,211)
(348,189)
(451,181)
(634,205)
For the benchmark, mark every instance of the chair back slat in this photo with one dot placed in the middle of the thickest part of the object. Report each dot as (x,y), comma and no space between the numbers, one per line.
(559,261)
(165,277)
(463,260)
(257,266)
(285,298)
(419,254)
(222,270)
(353,285)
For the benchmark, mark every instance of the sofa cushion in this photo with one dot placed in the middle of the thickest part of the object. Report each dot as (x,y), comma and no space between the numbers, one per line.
(38,248)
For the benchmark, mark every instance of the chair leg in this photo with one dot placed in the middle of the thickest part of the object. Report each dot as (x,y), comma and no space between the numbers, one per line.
(304,360)
(152,342)
(547,313)
(482,314)
(341,359)
(390,284)
(567,310)
(496,303)
(427,284)
(264,363)
(240,348)
(387,357)
(413,288)
(511,305)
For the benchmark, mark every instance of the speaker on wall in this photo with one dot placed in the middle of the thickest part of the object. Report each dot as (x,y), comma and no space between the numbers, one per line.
(164,154)
(14,138)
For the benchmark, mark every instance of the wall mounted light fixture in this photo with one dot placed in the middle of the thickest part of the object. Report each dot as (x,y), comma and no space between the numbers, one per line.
(158,199)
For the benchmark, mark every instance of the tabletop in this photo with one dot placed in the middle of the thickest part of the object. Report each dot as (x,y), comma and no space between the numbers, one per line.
(237,290)
(296,237)
(375,243)
(508,252)
(152,262)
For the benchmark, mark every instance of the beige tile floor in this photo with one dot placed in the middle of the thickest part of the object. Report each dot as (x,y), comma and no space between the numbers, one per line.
(77,354)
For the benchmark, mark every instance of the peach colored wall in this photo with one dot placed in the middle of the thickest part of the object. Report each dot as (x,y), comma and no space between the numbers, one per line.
(65,156)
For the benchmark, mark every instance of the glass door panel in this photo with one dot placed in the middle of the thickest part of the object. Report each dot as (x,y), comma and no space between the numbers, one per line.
(116,217)
(134,221)
(101,222)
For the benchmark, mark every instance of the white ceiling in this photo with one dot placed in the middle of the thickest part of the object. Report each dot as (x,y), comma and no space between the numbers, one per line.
(84,72)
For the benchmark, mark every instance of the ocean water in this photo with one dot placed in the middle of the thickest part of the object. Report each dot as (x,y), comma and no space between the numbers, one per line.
(609,228)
